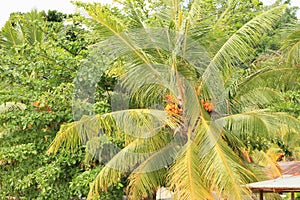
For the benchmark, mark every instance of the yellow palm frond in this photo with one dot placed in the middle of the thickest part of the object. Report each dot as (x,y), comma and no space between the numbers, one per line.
(186,176)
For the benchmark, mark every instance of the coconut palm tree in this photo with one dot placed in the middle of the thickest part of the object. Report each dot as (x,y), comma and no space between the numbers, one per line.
(183,124)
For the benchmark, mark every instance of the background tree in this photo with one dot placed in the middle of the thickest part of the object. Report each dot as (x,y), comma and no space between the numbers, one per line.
(40,54)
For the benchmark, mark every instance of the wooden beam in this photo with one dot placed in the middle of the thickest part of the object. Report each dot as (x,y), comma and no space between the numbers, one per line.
(292,196)
(261,195)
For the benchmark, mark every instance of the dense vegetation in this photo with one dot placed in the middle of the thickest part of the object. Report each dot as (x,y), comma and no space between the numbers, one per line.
(212,97)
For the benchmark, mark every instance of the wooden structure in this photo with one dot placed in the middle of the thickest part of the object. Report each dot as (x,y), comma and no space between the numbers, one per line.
(285,184)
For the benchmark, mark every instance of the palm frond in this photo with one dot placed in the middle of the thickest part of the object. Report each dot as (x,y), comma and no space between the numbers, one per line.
(102,181)
(291,48)
(223,170)
(10,36)
(186,176)
(268,160)
(260,122)
(257,96)
(230,173)
(240,46)
(104,16)
(135,157)
(10,106)
(281,78)
(151,174)
(136,122)
(22,30)
(32,21)
(67,136)
(142,185)
(121,163)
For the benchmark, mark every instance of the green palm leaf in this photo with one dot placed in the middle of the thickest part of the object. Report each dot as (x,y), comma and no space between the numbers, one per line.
(223,170)
(260,122)
(186,175)
(136,122)
(286,78)
(257,96)
(150,155)
(151,174)
(9,36)
(291,48)
(240,46)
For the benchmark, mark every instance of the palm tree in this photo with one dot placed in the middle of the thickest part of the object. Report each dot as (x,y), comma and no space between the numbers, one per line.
(191,143)
(22,29)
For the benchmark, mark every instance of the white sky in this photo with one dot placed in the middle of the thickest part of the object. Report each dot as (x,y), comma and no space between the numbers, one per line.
(65,6)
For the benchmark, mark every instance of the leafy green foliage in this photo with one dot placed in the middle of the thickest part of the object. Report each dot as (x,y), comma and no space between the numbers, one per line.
(290,103)
(80,185)
(36,98)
